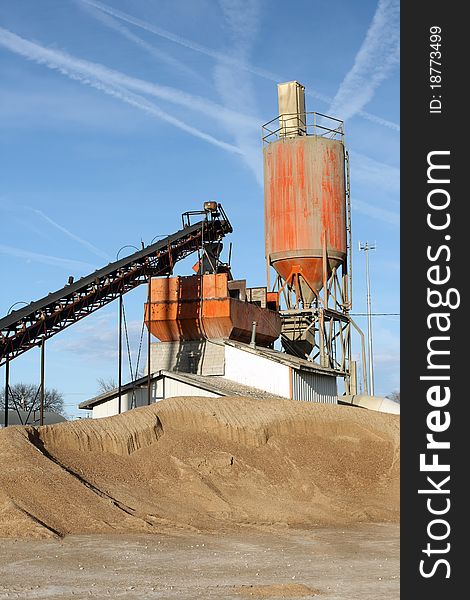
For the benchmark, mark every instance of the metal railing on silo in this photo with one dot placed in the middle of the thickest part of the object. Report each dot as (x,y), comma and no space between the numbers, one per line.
(300,124)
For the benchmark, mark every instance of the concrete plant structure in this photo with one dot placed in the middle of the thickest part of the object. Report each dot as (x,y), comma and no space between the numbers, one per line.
(216,336)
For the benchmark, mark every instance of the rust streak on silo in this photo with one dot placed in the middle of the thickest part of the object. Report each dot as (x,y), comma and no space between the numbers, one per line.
(305,200)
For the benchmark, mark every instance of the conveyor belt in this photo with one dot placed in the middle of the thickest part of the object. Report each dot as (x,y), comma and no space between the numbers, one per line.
(26,328)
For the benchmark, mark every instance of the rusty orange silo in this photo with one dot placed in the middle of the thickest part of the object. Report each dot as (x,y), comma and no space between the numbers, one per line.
(304,195)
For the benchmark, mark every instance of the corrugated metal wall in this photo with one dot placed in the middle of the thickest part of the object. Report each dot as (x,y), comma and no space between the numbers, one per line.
(312,387)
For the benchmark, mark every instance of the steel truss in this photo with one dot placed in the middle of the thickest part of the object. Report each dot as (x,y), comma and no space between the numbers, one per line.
(30,326)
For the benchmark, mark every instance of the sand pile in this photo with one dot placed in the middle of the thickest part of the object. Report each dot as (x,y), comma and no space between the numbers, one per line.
(207,463)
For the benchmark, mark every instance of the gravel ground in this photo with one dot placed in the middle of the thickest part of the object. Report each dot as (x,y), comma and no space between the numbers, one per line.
(360,562)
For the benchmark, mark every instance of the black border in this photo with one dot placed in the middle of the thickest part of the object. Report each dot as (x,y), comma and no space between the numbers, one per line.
(422,132)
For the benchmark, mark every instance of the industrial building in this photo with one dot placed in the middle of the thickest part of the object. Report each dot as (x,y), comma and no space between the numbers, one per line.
(25,417)
(208,333)
(220,368)
(216,335)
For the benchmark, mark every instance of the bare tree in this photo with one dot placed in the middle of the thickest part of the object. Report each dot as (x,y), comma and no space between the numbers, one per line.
(27,395)
(106,385)
(395,396)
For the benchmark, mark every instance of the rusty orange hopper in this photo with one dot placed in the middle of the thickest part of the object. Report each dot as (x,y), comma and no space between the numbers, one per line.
(210,307)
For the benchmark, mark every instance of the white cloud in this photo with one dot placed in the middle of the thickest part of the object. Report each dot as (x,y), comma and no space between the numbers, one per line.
(71,235)
(377,57)
(234,85)
(374,173)
(157,53)
(232,82)
(223,58)
(61,106)
(376,212)
(55,261)
(89,72)
(97,338)
(115,84)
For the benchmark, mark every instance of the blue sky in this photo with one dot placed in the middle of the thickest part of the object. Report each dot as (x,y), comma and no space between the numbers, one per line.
(117,117)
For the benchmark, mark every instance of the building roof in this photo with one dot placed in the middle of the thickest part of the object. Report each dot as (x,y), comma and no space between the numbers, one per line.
(216,383)
(24,417)
(221,385)
(114,393)
(211,383)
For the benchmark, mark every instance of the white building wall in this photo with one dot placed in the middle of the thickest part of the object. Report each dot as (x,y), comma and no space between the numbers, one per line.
(109,408)
(256,371)
(178,388)
(202,357)
(161,389)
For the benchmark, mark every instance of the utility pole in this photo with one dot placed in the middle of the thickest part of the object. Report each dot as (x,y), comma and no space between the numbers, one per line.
(366,247)
(149,345)
(120,356)
(7,390)
(43,390)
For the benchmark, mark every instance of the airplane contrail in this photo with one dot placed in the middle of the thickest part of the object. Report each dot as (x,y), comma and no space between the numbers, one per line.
(377,56)
(103,79)
(221,57)
(71,235)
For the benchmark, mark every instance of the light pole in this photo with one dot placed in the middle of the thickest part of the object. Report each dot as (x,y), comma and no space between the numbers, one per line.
(366,247)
